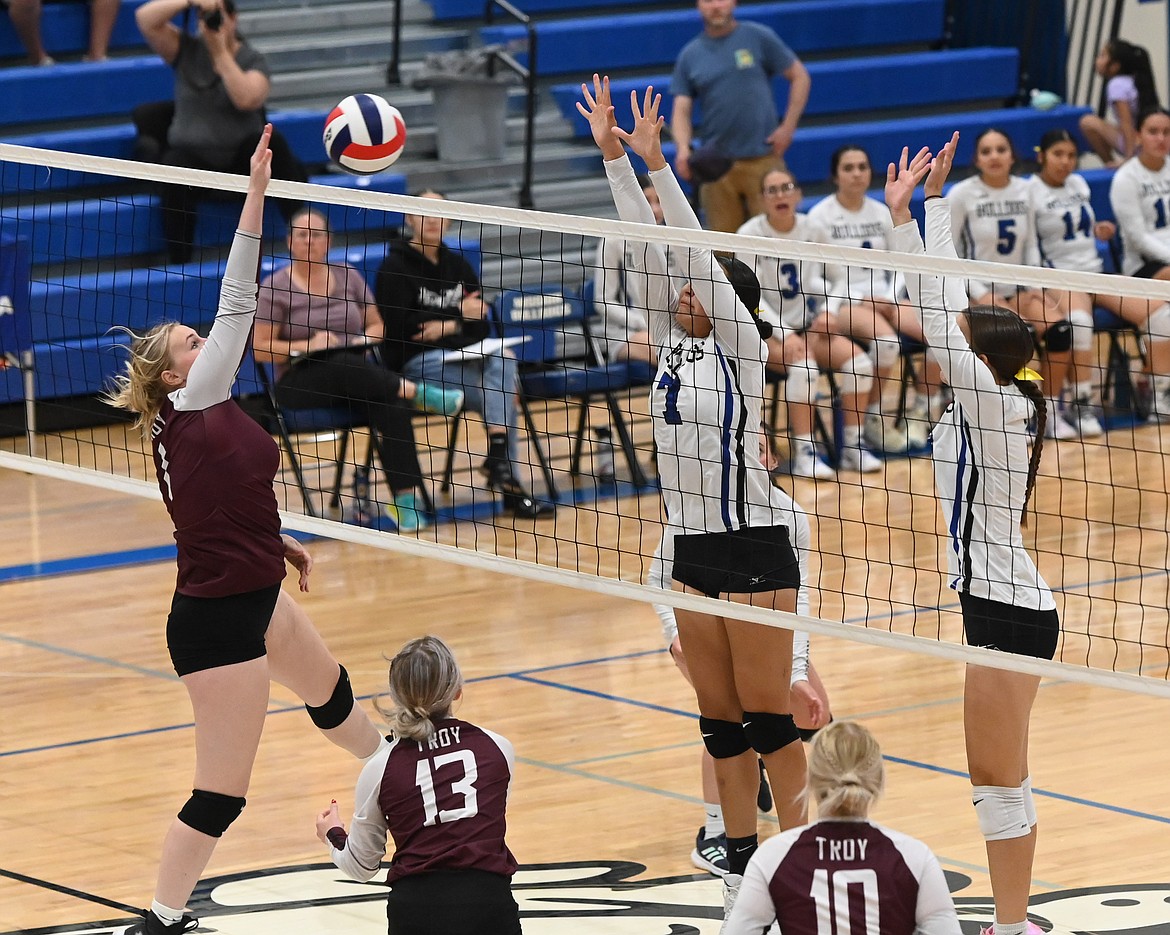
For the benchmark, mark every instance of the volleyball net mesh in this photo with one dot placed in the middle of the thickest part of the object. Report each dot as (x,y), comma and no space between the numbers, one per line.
(83,254)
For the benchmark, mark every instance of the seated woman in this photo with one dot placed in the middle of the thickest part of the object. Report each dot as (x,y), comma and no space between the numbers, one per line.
(865,301)
(1140,194)
(316,322)
(793,299)
(430,301)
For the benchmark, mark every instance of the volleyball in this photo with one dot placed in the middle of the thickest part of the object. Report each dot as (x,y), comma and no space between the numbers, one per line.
(364,134)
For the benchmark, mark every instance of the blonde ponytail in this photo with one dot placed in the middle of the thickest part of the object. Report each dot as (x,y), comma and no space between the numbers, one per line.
(424,681)
(139,387)
(845,771)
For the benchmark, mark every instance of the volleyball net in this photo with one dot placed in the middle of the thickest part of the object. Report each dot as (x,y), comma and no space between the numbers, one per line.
(88,234)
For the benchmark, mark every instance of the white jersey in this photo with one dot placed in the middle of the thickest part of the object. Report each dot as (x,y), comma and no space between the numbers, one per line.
(869,228)
(980,443)
(842,875)
(1141,204)
(792,292)
(619,290)
(993,224)
(1065,224)
(708,392)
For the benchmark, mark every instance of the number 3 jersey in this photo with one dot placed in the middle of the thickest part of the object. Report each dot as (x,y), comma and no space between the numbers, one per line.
(442,800)
(844,876)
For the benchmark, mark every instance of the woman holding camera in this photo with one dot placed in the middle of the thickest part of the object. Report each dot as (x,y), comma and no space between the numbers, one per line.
(221,88)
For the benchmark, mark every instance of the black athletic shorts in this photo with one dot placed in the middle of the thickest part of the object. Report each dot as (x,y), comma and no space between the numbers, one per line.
(1149,269)
(743,561)
(1008,628)
(452,902)
(208,632)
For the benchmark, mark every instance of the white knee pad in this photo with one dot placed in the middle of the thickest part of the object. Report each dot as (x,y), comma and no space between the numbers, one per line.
(1158,324)
(1029,802)
(1082,325)
(856,377)
(885,351)
(800,386)
(1001,812)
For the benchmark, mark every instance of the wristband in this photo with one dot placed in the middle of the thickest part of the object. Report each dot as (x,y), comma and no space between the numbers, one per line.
(929,197)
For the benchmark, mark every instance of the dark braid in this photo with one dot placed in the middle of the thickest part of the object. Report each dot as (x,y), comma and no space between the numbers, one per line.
(1032,391)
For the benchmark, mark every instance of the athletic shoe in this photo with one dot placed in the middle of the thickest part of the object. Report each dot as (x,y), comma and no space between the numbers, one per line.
(882,434)
(437,400)
(858,458)
(362,510)
(1160,405)
(710,854)
(1058,427)
(153,925)
(731,885)
(406,513)
(1032,929)
(1080,415)
(805,463)
(764,796)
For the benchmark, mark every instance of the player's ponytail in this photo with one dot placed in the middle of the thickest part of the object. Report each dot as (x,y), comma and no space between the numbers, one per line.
(424,682)
(139,387)
(1032,391)
(845,772)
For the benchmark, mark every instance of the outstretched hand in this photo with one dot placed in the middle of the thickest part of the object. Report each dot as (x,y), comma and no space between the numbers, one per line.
(260,170)
(941,167)
(297,556)
(598,110)
(902,179)
(646,137)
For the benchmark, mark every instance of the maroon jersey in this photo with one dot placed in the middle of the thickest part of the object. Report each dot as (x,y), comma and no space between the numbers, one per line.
(844,877)
(443,801)
(215,468)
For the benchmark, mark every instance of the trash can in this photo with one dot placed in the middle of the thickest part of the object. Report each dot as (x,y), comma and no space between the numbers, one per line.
(471,102)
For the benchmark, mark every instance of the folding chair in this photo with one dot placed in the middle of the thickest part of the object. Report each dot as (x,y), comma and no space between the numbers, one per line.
(1118,392)
(559,359)
(16,335)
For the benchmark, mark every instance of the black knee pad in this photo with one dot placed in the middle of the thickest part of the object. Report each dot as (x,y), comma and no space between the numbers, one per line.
(334,712)
(723,739)
(1059,337)
(767,732)
(211,812)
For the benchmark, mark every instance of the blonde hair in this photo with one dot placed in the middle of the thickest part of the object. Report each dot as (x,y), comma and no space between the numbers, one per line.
(424,680)
(845,771)
(139,387)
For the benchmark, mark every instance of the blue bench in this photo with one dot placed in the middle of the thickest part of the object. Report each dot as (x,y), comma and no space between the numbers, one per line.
(851,85)
(649,40)
(65,30)
(131,225)
(808,159)
(83,89)
(444,10)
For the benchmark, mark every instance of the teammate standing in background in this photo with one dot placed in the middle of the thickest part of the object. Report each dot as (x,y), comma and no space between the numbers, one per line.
(736,535)
(231,628)
(984,477)
(844,867)
(993,220)
(728,70)
(440,789)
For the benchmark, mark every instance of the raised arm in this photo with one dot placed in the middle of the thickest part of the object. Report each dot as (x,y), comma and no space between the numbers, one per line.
(214,370)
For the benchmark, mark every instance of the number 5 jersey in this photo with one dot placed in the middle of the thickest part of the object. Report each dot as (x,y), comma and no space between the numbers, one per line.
(442,800)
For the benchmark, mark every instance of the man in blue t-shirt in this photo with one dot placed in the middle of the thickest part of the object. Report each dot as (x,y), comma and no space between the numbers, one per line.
(728,69)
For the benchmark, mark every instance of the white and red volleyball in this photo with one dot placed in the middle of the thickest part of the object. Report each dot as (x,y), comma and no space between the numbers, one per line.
(364,134)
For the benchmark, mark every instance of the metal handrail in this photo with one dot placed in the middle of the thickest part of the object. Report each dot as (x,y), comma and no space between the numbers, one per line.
(529,76)
(392,72)
(1084,42)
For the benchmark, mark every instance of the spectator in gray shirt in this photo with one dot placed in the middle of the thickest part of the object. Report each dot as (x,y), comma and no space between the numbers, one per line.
(221,88)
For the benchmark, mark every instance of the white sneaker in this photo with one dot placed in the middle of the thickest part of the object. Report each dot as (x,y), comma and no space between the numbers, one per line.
(1058,426)
(731,884)
(805,463)
(885,435)
(1079,413)
(1160,405)
(859,458)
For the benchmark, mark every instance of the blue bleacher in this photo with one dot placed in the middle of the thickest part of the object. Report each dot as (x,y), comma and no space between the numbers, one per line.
(652,40)
(851,85)
(808,159)
(445,10)
(83,89)
(65,30)
(129,225)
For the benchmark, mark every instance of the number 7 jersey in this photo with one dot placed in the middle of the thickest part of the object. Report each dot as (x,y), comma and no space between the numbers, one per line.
(443,801)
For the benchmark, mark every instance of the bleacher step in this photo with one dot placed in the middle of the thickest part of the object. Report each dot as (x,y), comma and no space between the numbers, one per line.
(339,47)
(308,18)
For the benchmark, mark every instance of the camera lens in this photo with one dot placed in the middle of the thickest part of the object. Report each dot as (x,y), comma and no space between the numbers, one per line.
(213,20)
